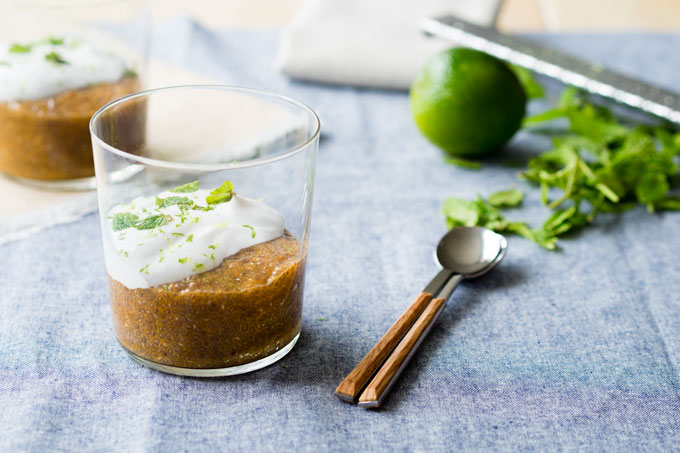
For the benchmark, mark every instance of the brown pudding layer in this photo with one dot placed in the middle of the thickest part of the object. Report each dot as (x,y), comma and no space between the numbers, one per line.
(48,139)
(245,309)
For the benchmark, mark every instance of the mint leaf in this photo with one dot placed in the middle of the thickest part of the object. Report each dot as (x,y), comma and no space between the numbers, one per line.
(506,198)
(651,187)
(222,194)
(20,48)
(123,220)
(54,57)
(55,41)
(460,212)
(151,222)
(188,187)
(171,201)
(532,89)
(464,163)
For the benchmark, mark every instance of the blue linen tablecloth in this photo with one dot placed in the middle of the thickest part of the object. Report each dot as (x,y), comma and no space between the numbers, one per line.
(577,350)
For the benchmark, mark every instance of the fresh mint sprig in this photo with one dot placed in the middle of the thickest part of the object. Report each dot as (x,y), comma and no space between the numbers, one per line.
(597,165)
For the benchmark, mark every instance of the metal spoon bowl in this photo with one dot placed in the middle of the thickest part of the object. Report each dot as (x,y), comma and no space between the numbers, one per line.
(470,251)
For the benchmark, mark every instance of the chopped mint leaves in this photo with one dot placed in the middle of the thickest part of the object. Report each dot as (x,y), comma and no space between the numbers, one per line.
(222,194)
(186,188)
(54,57)
(123,220)
(144,270)
(171,201)
(481,212)
(197,267)
(177,234)
(130,73)
(464,163)
(506,198)
(190,238)
(252,230)
(597,165)
(20,48)
(184,260)
(55,41)
(213,246)
(151,222)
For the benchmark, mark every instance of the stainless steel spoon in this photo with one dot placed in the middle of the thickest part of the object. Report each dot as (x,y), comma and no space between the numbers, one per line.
(463,252)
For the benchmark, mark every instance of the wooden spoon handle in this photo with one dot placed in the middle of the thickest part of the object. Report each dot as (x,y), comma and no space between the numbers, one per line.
(350,387)
(390,371)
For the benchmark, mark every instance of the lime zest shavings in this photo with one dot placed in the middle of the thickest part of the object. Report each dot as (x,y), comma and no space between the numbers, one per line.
(252,230)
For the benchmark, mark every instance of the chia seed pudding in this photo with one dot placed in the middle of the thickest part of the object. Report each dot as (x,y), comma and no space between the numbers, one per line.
(203,279)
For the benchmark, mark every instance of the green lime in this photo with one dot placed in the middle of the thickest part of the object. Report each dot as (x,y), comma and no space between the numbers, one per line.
(467,102)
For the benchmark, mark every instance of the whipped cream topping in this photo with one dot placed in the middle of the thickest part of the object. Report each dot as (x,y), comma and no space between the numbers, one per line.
(38,70)
(188,242)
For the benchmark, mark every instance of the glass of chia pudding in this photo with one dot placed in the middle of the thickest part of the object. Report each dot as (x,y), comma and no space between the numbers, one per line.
(60,61)
(205,239)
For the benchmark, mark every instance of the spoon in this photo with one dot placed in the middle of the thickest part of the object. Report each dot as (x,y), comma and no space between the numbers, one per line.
(463,253)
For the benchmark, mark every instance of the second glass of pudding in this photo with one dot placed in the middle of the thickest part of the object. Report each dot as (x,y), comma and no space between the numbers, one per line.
(60,61)
(205,236)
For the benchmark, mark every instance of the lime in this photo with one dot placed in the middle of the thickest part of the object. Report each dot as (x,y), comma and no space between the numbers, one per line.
(467,102)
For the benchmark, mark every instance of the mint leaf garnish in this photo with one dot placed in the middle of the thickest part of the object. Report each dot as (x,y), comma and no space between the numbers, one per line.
(171,201)
(184,260)
(151,222)
(130,73)
(55,58)
(20,48)
(123,220)
(55,41)
(464,163)
(222,194)
(188,187)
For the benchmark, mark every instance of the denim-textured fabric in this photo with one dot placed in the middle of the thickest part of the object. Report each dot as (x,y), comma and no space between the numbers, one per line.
(577,350)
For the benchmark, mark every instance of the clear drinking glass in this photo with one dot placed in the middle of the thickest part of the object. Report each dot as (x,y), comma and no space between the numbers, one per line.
(59,62)
(205,195)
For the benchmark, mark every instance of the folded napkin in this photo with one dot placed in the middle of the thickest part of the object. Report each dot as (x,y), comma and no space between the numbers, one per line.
(368,43)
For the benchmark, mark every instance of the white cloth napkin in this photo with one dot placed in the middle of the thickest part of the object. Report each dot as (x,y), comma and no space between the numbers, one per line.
(369,42)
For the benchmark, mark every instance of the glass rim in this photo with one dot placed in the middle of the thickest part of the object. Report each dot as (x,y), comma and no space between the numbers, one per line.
(203,167)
